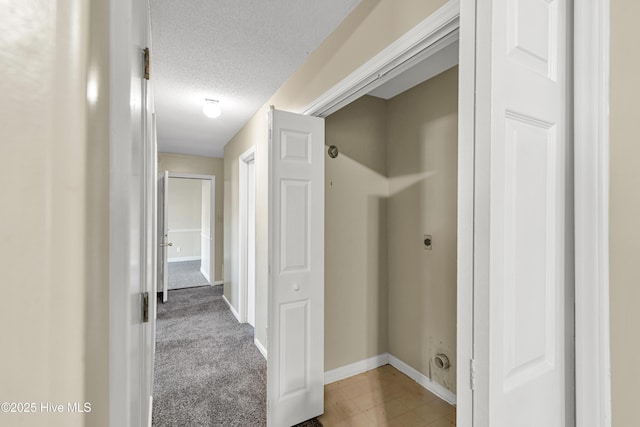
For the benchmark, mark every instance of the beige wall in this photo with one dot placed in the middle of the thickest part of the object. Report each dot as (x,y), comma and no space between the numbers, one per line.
(181,163)
(625,212)
(394,180)
(356,234)
(422,156)
(54,223)
(185,217)
(371,27)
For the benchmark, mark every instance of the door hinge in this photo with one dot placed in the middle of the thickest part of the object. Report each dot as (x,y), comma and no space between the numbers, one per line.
(147,66)
(145,307)
(472,374)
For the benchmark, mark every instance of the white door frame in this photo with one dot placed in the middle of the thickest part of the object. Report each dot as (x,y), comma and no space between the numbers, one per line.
(591,152)
(212,217)
(162,236)
(243,280)
(458,19)
(131,214)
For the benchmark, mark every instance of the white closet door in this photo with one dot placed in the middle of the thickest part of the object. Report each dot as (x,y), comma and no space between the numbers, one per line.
(295,383)
(526,369)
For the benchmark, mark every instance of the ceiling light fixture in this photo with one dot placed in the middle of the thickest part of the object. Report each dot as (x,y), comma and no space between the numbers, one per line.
(211,108)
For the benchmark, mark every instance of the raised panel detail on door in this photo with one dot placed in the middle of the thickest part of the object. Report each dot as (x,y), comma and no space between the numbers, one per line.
(294,347)
(295,344)
(294,225)
(532,33)
(295,146)
(531,218)
(523,281)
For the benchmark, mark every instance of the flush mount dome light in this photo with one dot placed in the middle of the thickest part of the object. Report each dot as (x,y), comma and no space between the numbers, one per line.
(211,108)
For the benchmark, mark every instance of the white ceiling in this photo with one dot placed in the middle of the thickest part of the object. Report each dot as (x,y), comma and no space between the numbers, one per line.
(236,51)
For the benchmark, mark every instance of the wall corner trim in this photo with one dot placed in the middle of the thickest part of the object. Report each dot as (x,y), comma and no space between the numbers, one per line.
(384,359)
(355,368)
(233,310)
(423,380)
(185,258)
(262,348)
(206,275)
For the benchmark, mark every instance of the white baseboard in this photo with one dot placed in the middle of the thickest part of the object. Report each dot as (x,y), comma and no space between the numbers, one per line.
(185,258)
(260,347)
(355,368)
(422,379)
(383,359)
(150,409)
(233,310)
(205,274)
(219,282)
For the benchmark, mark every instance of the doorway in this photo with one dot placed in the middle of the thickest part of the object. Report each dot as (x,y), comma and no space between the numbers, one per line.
(481,186)
(247,232)
(186,231)
(390,246)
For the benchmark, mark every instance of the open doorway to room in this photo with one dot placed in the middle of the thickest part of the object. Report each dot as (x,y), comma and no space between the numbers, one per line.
(247,232)
(187,231)
(190,232)
(390,250)
(358,306)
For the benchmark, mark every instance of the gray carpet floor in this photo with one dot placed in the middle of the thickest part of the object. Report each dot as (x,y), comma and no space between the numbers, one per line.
(208,371)
(186,274)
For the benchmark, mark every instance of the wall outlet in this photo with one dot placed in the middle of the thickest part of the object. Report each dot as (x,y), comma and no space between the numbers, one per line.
(178,249)
(427,242)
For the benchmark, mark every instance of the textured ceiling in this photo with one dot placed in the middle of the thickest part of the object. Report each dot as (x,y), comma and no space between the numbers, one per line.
(236,51)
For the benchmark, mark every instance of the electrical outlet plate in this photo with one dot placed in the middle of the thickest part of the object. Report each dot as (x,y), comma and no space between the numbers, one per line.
(427,242)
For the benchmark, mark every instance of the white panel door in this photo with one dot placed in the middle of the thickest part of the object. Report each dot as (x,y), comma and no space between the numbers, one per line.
(163,234)
(529,362)
(295,378)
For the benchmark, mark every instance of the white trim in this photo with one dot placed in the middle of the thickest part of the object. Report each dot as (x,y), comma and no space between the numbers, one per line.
(431,35)
(186,258)
(243,284)
(591,154)
(441,61)
(466,189)
(149,424)
(374,362)
(355,368)
(190,176)
(186,230)
(233,310)
(426,382)
(218,282)
(130,216)
(205,274)
(262,349)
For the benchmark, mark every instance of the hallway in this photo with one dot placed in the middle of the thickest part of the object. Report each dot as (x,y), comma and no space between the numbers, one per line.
(208,372)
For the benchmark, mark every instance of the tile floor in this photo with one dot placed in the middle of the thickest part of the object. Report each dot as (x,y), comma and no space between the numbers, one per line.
(384,397)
